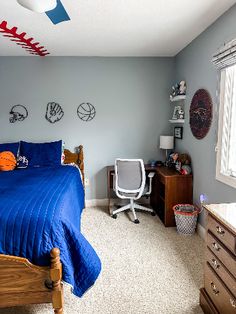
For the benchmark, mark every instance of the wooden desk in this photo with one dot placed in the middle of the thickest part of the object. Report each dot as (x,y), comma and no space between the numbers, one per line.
(168,189)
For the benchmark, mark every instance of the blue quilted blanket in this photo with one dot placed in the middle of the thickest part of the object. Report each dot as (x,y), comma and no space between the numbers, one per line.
(40,208)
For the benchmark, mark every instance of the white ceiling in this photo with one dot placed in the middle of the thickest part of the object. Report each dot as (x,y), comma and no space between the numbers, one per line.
(114,27)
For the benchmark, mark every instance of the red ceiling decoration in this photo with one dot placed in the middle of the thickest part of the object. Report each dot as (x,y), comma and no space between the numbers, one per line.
(33,48)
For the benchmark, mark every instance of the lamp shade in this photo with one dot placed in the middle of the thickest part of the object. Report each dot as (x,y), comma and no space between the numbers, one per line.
(166,142)
(39,6)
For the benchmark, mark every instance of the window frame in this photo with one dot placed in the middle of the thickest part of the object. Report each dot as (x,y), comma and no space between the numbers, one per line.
(224,178)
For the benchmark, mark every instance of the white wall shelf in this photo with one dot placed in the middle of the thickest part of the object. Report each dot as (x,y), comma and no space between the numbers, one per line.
(177,121)
(177,98)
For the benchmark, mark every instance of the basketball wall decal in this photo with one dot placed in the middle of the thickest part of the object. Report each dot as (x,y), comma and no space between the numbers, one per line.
(200,113)
(86,111)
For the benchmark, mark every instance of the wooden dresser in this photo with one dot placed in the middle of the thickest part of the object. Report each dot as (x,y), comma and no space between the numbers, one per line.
(219,292)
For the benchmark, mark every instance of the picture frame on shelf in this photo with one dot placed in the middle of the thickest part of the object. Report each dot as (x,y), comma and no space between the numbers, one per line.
(178,132)
(176,112)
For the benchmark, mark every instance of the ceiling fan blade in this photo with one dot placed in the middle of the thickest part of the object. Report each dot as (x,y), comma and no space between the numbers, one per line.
(58,14)
(39,6)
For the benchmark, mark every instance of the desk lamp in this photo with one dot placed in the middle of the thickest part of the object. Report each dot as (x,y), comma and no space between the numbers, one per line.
(166,142)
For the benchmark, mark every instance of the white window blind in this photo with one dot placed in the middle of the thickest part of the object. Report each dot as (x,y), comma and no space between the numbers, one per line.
(226,155)
(226,55)
(228,145)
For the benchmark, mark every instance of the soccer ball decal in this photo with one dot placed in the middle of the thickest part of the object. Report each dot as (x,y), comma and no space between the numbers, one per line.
(86,111)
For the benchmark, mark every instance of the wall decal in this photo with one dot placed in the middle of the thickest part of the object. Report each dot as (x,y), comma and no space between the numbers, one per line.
(58,14)
(18,113)
(200,113)
(86,111)
(54,112)
(33,48)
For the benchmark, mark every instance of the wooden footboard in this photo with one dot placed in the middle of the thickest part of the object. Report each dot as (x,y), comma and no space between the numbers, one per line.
(23,283)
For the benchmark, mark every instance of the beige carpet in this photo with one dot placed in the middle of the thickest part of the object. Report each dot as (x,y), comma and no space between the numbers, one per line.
(147,268)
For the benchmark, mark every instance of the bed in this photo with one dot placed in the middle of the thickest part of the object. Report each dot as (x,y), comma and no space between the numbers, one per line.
(40,240)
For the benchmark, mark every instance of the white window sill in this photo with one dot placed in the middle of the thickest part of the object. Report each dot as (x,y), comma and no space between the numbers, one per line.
(231,181)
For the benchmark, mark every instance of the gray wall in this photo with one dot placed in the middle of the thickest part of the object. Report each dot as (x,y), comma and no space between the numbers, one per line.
(193,65)
(130,96)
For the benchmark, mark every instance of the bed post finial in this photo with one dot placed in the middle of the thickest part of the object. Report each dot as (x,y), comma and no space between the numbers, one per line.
(56,275)
(81,160)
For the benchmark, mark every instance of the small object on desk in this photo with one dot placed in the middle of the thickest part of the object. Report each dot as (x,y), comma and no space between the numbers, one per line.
(159,163)
(152,163)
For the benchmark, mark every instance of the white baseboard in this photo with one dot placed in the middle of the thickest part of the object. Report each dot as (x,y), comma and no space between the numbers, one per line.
(104,202)
(96,202)
(201,231)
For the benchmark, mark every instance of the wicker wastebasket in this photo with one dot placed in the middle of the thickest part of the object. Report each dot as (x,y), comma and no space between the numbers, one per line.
(186,218)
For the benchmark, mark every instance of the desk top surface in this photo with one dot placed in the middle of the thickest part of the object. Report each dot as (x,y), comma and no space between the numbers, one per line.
(165,171)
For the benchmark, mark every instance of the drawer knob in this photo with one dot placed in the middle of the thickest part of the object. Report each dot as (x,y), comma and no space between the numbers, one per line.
(220,230)
(214,264)
(215,246)
(214,289)
(233,303)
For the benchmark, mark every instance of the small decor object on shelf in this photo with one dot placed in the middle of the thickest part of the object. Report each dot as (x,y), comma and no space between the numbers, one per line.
(18,113)
(86,111)
(54,112)
(200,113)
(179,89)
(180,114)
(176,111)
(178,132)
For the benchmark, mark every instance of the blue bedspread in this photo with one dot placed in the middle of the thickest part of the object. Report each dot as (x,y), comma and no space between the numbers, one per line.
(40,208)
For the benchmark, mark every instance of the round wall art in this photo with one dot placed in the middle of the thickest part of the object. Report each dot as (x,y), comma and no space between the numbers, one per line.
(86,111)
(200,113)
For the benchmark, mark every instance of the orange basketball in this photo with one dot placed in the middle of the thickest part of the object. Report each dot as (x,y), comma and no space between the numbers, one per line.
(7,161)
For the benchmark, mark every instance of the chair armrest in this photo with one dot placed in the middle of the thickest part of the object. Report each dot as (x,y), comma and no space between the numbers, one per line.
(151,174)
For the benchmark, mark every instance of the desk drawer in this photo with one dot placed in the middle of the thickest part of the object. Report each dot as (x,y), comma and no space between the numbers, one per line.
(219,294)
(222,233)
(221,271)
(222,253)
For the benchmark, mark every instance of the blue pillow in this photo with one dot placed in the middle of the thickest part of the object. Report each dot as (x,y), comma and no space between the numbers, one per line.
(12,147)
(42,154)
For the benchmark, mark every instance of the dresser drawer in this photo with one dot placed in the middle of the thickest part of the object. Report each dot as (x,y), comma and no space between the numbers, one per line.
(222,233)
(225,256)
(221,271)
(224,301)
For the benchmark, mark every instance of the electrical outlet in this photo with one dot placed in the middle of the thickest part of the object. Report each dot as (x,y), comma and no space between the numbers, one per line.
(86,181)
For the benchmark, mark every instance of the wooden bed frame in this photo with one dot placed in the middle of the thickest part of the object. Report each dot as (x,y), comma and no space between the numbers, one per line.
(22,283)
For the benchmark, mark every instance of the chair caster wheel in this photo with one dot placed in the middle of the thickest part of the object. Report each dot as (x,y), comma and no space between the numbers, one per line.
(114,216)
(136,221)
(153,213)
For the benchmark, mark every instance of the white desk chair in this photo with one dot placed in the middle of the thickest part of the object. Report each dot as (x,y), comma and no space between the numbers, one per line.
(130,183)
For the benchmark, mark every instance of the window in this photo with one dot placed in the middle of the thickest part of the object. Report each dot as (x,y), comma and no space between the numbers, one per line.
(226,148)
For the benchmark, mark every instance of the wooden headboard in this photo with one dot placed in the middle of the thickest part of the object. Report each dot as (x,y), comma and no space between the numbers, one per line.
(77,158)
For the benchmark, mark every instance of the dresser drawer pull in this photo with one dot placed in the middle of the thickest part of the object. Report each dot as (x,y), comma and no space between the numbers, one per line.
(214,264)
(220,230)
(233,303)
(215,246)
(214,289)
